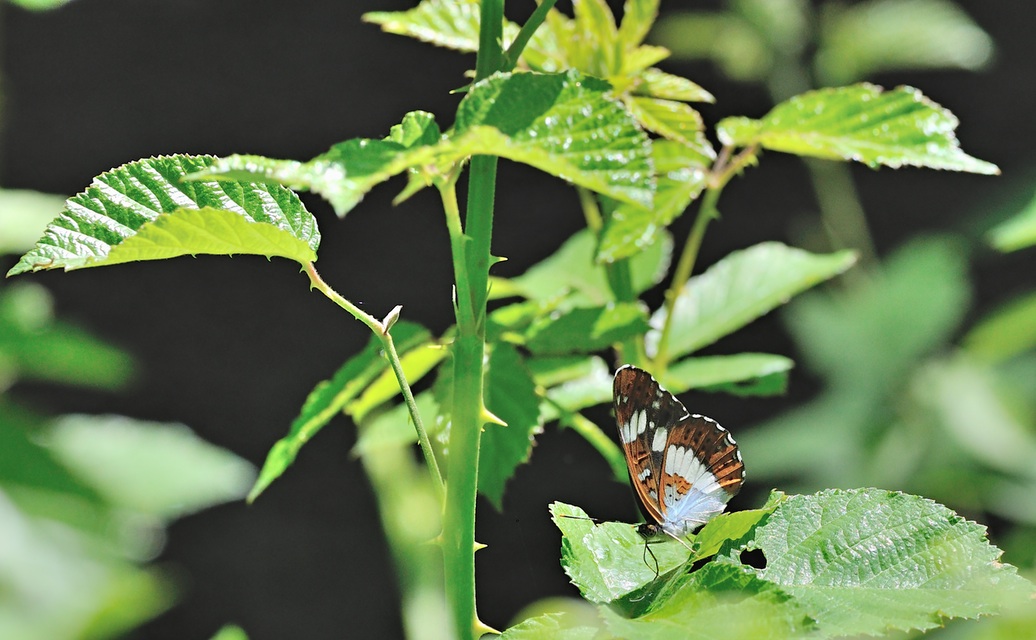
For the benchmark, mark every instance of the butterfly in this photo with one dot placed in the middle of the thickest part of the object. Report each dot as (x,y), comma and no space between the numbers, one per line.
(684,467)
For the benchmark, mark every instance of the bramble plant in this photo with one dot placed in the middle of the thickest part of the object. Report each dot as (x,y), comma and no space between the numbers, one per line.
(576,98)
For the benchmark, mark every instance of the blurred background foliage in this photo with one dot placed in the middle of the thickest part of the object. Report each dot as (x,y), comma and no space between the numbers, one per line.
(923,377)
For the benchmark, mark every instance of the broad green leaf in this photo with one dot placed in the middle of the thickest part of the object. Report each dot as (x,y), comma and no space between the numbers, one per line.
(330,397)
(609,560)
(587,329)
(629,228)
(741,374)
(859,40)
(672,120)
(738,289)
(1016,233)
(33,345)
(729,528)
(40,5)
(347,171)
(24,215)
(1005,333)
(720,600)
(511,396)
(159,470)
(656,83)
(571,269)
(869,561)
(145,210)
(861,122)
(549,625)
(565,124)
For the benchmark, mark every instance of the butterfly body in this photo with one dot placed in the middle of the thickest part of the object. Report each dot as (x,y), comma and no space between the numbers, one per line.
(684,467)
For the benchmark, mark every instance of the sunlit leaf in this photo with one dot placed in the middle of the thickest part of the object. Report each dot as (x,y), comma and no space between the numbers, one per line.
(629,229)
(23,217)
(861,122)
(656,83)
(738,289)
(587,329)
(145,210)
(741,374)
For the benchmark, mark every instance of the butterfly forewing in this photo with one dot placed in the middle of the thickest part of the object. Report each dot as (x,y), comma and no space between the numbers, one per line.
(684,467)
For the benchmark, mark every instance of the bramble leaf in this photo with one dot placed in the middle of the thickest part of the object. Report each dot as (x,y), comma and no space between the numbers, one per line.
(861,122)
(868,561)
(565,124)
(145,210)
(511,396)
(587,329)
(738,289)
(628,228)
(740,374)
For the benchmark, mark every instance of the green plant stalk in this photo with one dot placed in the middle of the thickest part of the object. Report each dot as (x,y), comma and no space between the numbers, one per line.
(535,20)
(381,330)
(471,267)
(724,169)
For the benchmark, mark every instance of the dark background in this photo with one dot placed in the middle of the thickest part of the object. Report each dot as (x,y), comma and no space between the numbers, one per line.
(231,347)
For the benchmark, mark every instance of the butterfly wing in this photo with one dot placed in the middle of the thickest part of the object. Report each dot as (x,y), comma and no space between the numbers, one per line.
(644,412)
(701,470)
(684,467)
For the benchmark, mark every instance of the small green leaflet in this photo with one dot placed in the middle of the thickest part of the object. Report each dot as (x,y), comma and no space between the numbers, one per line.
(145,210)
(861,122)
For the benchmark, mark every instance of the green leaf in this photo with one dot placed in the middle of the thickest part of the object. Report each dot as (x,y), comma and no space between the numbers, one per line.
(869,561)
(572,269)
(609,560)
(733,527)
(565,124)
(1016,233)
(446,23)
(860,40)
(511,396)
(588,385)
(741,374)
(738,289)
(672,120)
(330,397)
(860,122)
(347,171)
(159,470)
(35,346)
(638,16)
(1007,332)
(720,600)
(416,363)
(23,217)
(629,229)
(549,625)
(656,83)
(587,329)
(144,210)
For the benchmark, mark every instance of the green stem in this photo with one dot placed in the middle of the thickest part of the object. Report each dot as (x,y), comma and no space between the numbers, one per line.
(535,20)
(381,330)
(724,170)
(472,259)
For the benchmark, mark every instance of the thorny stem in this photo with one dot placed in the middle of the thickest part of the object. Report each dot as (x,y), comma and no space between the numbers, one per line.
(381,330)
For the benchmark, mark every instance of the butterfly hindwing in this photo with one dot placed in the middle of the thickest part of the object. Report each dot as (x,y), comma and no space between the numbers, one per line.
(684,467)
